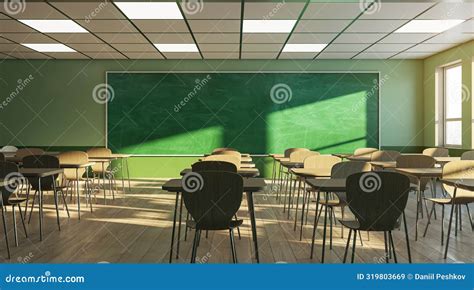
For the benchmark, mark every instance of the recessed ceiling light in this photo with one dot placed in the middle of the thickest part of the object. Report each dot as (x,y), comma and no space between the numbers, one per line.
(150,10)
(304,47)
(428,26)
(49,47)
(268,26)
(177,47)
(54,26)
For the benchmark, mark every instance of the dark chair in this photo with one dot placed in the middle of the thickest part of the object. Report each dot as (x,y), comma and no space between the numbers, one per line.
(2,157)
(377,200)
(9,170)
(214,206)
(47,183)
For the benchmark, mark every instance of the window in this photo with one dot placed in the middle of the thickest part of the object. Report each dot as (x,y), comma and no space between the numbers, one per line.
(453,105)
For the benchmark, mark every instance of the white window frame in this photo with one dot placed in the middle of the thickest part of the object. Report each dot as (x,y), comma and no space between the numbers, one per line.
(446,119)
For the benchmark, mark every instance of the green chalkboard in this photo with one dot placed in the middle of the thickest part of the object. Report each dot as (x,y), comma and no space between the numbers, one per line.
(192,113)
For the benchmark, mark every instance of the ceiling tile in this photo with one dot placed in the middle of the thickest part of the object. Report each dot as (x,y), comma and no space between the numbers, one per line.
(297,55)
(250,47)
(232,47)
(67,55)
(465,27)
(368,55)
(264,38)
(210,10)
(30,10)
(221,55)
(170,37)
(451,38)
(5,56)
(389,47)
(406,37)
(14,26)
(75,37)
(217,37)
(214,26)
(449,11)
(100,25)
(122,37)
(321,25)
(88,47)
(346,47)
(170,26)
(259,55)
(431,47)
(4,40)
(28,37)
(12,47)
(336,55)
(332,11)
(135,47)
(359,37)
(275,10)
(311,37)
(2,16)
(384,10)
(29,55)
(143,55)
(105,55)
(183,55)
(89,10)
(412,55)
(375,25)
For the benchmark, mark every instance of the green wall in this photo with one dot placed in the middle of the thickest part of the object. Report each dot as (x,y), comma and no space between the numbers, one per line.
(465,54)
(55,107)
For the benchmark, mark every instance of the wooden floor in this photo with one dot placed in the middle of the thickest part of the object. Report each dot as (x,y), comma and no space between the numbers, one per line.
(136,228)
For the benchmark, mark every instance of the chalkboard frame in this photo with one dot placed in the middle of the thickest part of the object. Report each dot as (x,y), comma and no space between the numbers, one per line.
(379,137)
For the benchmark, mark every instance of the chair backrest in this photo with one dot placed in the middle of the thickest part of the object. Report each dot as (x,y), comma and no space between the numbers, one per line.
(232,153)
(8,148)
(41,161)
(214,166)
(462,170)
(226,158)
(8,170)
(345,169)
(436,152)
(291,150)
(301,155)
(364,151)
(99,152)
(23,152)
(322,162)
(73,157)
(223,149)
(2,157)
(377,199)
(385,155)
(415,161)
(216,200)
(468,155)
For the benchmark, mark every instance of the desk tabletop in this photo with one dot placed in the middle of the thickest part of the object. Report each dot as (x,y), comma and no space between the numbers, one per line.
(245,172)
(312,172)
(120,155)
(292,164)
(40,172)
(277,155)
(103,158)
(384,164)
(342,155)
(443,160)
(333,184)
(422,172)
(76,165)
(250,185)
(467,184)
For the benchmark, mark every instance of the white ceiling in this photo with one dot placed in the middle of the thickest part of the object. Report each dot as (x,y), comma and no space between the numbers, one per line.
(352,30)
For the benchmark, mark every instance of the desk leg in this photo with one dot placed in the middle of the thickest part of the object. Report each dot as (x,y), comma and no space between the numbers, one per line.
(174,226)
(55,196)
(40,203)
(122,173)
(128,174)
(325,224)
(88,189)
(179,226)
(251,209)
(103,180)
(315,223)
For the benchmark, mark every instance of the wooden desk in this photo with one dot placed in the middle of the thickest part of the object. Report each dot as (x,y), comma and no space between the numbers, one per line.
(77,166)
(311,172)
(41,173)
(244,172)
(384,164)
(342,155)
(251,185)
(103,160)
(467,184)
(444,160)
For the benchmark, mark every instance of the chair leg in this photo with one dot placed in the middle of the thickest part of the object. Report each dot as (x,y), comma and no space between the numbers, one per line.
(342,226)
(330,226)
(456,220)
(393,247)
(32,206)
(354,246)
(406,237)
(360,238)
(57,208)
(385,245)
(15,230)
(297,203)
(232,246)
(347,245)
(442,224)
(186,227)
(27,198)
(238,229)
(315,225)
(429,220)
(5,230)
(195,245)
(23,221)
(65,204)
(460,217)
(470,218)
(449,229)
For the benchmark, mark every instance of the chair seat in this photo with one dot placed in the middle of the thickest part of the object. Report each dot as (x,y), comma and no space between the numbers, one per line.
(352,224)
(15,200)
(233,224)
(331,202)
(458,200)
